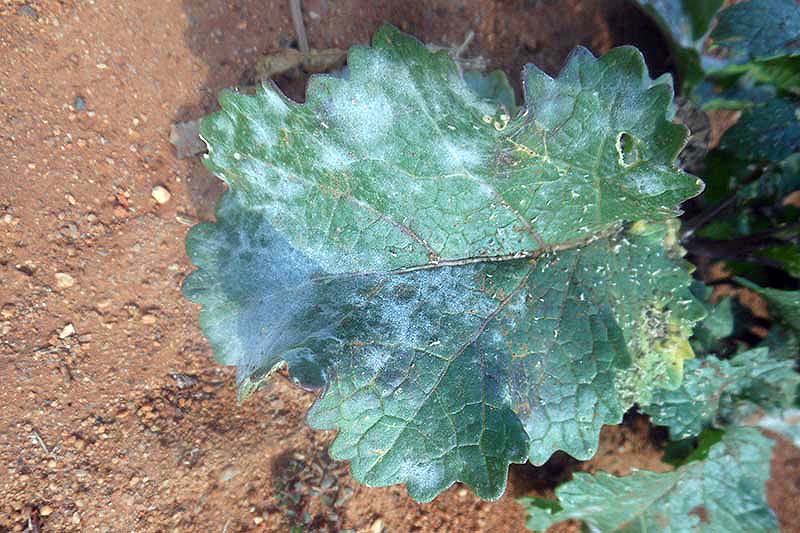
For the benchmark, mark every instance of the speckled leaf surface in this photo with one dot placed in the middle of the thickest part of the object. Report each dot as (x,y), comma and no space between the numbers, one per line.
(460,283)
(724,493)
(719,392)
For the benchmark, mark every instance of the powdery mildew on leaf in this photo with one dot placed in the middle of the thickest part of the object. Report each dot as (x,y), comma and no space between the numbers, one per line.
(724,493)
(459,282)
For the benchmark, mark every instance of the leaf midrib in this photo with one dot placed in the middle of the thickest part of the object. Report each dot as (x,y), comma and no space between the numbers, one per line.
(531,255)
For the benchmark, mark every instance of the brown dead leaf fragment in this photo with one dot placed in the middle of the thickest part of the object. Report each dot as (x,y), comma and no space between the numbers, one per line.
(291,62)
(185,137)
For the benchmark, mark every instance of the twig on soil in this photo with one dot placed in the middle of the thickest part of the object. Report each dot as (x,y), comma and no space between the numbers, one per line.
(38,438)
(65,372)
(299,27)
(463,46)
(456,52)
(34,522)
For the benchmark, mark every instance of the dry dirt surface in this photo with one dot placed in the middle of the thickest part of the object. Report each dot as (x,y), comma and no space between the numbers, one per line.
(114,417)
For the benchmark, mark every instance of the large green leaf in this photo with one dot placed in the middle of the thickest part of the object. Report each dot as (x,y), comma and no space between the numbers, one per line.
(724,493)
(759,30)
(720,392)
(460,282)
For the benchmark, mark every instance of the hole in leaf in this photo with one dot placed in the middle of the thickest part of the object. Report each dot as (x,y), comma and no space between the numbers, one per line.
(627,149)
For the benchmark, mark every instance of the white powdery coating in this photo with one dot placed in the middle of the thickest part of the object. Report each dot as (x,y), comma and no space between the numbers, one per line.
(648,184)
(426,477)
(366,117)
(463,156)
(414,312)
(334,157)
(376,357)
(286,187)
(275,102)
(397,320)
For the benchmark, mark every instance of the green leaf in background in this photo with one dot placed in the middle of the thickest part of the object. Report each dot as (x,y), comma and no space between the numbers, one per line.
(785,255)
(759,30)
(718,392)
(719,322)
(685,23)
(768,132)
(718,325)
(732,92)
(776,183)
(759,227)
(680,452)
(459,282)
(724,493)
(782,72)
(783,343)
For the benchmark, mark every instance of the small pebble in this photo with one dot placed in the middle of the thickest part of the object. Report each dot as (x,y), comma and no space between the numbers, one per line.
(160,194)
(377,526)
(79,104)
(28,11)
(46,510)
(64,280)
(67,331)
(8,310)
(228,473)
(149,319)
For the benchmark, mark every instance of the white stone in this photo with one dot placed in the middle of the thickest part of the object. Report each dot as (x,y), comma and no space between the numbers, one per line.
(67,331)
(64,280)
(160,194)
